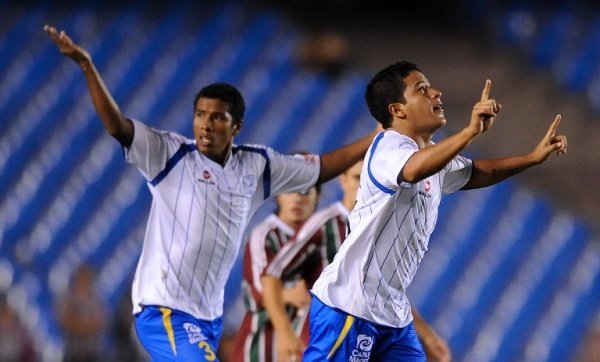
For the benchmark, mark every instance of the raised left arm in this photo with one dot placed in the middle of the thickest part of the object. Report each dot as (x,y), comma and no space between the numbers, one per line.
(490,172)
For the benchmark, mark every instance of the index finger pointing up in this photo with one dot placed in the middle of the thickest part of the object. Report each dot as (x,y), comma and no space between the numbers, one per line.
(485,95)
(552,130)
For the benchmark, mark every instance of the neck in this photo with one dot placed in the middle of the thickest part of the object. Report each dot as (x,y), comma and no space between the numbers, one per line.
(422,138)
(293,224)
(349,202)
(220,158)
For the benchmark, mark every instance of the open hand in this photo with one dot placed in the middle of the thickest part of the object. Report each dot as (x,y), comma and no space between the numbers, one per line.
(66,45)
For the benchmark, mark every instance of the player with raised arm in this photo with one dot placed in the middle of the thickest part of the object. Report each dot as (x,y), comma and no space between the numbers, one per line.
(204,191)
(360,309)
(314,248)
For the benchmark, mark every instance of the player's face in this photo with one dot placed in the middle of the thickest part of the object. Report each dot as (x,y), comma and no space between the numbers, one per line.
(423,103)
(214,128)
(295,207)
(350,180)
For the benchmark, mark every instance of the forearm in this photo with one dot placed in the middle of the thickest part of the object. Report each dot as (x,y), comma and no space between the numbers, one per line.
(490,172)
(337,161)
(432,159)
(420,325)
(106,107)
(274,304)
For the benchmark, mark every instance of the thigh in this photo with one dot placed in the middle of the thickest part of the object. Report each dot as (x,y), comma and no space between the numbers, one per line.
(400,344)
(338,336)
(170,335)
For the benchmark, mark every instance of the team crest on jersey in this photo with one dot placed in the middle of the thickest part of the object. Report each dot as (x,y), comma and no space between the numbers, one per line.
(194,333)
(248,182)
(362,352)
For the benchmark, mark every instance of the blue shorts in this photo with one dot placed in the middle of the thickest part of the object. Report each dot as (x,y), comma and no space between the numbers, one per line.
(338,336)
(172,335)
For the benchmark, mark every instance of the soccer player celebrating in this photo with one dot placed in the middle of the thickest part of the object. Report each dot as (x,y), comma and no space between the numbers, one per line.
(360,310)
(204,192)
(314,248)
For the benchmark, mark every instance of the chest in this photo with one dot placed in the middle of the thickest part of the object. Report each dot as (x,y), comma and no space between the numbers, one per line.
(195,174)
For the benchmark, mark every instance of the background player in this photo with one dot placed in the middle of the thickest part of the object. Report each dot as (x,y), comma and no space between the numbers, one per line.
(255,339)
(204,192)
(360,307)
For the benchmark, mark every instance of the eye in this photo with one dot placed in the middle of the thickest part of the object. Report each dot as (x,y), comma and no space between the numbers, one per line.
(422,90)
(219,117)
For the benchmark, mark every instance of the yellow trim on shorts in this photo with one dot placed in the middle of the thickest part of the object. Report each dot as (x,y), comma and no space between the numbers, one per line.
(166,316)
(343,333)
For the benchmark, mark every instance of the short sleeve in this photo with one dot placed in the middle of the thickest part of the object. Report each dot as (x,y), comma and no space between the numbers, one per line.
(150,149)
(456,174)
(388,154)
(290,173)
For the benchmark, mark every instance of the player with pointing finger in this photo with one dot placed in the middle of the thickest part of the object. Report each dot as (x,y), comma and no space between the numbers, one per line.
(360,310)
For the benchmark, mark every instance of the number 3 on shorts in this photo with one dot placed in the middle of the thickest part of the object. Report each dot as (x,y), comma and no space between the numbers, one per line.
(210,355)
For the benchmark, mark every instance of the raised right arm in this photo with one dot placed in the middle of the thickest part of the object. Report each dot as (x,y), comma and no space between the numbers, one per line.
(432,159)
(115,124)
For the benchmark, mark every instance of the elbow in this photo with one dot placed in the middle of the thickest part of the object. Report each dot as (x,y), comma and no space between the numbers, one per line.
(410,175)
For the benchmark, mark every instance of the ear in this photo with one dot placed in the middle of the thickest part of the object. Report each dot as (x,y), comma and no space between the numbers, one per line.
(397,110)
(237,127)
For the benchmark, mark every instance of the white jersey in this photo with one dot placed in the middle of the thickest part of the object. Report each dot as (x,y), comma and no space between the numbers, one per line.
(389,230)
(198,215)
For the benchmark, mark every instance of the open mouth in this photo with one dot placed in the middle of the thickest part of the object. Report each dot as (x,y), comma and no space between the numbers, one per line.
(205,141)
(438,108)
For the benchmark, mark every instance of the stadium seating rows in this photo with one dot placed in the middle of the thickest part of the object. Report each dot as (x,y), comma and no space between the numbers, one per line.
(506,273)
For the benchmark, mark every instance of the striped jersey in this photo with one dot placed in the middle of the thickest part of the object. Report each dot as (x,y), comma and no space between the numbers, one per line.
(198,215)
(255,338)
(389,230)
(315,245)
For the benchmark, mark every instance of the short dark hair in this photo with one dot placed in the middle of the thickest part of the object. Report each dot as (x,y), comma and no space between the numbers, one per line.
(228,94)
(386,87)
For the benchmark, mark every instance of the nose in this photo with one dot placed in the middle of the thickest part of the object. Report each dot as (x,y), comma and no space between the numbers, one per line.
(205,122)
(435,93)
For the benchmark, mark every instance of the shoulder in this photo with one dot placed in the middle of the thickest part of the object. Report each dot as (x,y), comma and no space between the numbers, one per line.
(332,212)
(268,225)
(264,227)
(141,127)
(393,138)
(251,151)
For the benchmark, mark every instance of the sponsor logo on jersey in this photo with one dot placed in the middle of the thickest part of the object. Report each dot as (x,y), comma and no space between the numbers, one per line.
(362,352)
(426,188)
(207,178)
(194,333)
(427,185)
